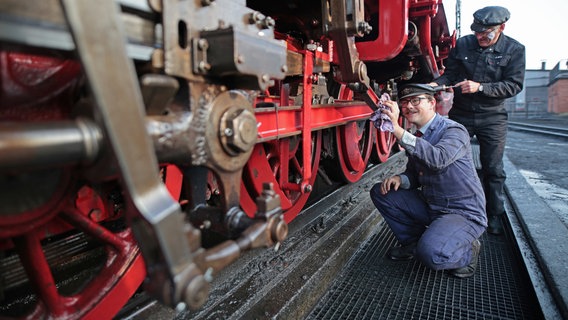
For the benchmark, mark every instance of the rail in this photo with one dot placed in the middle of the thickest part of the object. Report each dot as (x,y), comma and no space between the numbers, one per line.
(539,129)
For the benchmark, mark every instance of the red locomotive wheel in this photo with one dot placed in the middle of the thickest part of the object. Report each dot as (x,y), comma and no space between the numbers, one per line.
(65,252)
(87,272)
(280,163)
(384,143)
(354,146)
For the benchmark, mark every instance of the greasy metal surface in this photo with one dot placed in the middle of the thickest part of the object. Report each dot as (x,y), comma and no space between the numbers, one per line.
(374,287)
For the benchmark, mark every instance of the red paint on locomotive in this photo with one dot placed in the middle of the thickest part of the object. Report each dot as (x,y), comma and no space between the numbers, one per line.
(308,120)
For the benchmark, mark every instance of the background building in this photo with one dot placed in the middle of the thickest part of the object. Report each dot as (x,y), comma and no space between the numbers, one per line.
(544,92)
(558,88)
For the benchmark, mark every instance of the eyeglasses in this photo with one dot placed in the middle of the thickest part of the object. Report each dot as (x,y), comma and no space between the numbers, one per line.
(413,101)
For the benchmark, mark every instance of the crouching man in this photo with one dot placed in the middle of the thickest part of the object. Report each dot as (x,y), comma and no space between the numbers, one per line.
(436,208)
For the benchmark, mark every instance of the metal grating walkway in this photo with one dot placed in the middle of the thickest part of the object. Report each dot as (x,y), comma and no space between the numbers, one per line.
(371,286)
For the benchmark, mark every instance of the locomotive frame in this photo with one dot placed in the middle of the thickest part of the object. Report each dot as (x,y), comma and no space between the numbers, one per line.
(159,140)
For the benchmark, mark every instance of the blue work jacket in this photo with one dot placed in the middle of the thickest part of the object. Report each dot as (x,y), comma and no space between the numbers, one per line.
(441,166)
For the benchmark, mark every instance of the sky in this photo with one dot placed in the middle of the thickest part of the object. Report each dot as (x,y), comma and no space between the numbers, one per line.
(542,26)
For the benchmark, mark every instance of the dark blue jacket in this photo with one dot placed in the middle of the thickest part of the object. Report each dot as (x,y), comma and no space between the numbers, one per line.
(500,68)
(441,164)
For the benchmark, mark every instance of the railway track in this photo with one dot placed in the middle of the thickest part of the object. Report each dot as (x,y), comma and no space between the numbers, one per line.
(539,129)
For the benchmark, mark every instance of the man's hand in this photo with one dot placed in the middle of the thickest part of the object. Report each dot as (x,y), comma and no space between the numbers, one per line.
(390,183)
(393,111)
(468,86)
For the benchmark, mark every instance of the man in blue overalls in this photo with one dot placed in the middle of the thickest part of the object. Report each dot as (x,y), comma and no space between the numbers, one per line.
(436,208)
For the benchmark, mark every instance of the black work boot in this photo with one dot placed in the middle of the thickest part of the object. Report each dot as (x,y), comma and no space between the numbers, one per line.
(494,225)
(469,270)
(402,253)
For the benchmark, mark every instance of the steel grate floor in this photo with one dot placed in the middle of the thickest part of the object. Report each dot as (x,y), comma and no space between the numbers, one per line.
(372,286)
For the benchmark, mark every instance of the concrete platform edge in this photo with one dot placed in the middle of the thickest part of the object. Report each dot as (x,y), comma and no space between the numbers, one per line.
(546,236)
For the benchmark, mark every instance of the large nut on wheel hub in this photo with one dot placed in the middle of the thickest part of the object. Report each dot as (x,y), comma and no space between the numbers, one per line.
(238,131)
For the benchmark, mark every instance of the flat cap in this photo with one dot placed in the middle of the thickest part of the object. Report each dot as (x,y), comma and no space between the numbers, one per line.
(487,17)
(414,89)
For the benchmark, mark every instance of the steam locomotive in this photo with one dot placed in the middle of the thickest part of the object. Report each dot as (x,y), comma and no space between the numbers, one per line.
(152,142)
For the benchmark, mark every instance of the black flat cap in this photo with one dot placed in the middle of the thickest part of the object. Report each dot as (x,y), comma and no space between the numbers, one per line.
(488,17)
(414,89)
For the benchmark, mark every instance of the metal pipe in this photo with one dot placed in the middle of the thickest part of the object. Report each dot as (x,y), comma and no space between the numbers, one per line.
(28,146)
(39,145)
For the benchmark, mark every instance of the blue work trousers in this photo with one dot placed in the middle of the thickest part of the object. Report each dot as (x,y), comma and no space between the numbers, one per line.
(443,239)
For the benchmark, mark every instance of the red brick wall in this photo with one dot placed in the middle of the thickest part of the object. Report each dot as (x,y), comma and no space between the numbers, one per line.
(558,96)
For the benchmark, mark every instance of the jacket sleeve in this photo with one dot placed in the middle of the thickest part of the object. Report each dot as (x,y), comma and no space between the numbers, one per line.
(452,68)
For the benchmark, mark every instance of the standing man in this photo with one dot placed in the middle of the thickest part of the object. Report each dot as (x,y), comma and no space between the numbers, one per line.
(488,67)
(436,208)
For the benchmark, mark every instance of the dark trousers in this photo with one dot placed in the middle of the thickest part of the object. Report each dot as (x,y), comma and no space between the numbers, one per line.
(443,241)
(491,132)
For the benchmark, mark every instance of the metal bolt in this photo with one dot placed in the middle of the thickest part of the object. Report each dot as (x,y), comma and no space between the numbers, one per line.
(204,66)
(206,225)
(203,44)
(96,215)
(364,28)
(256,17)
(239,130)
(208,276)
(181,307)
(268,189)
(269,22)
(311,46)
